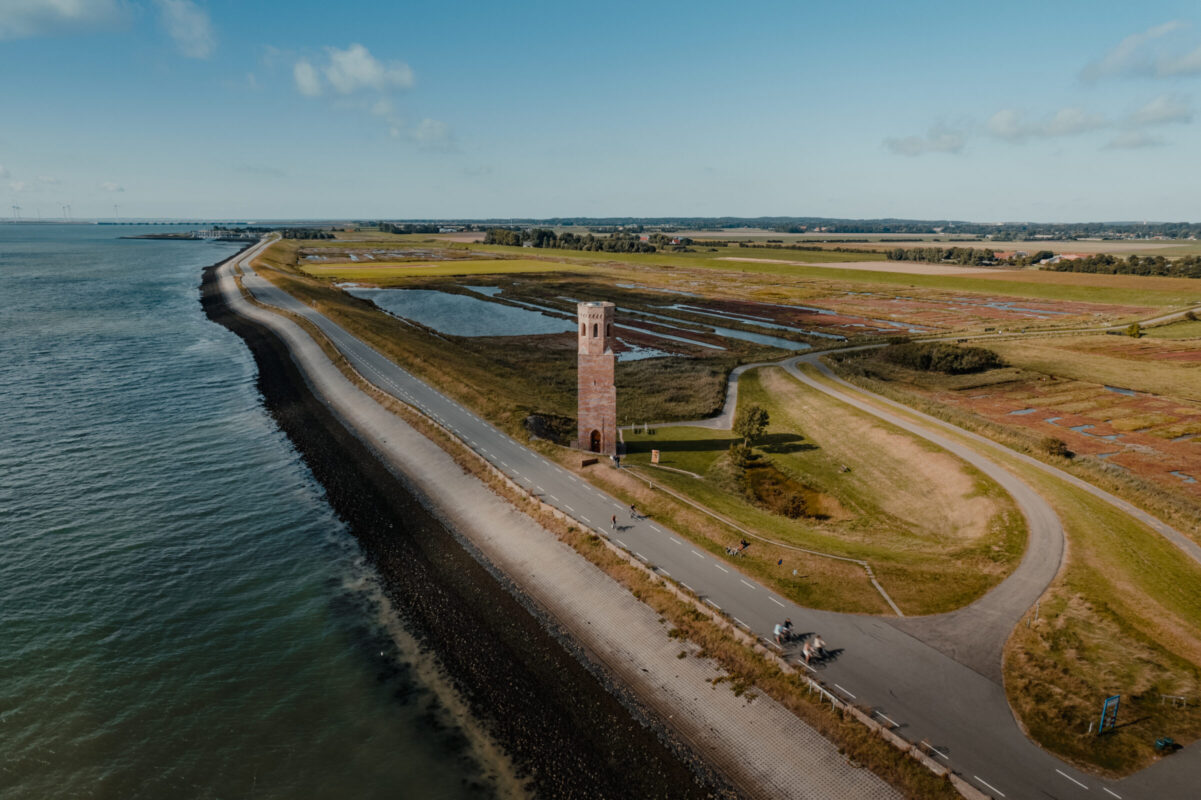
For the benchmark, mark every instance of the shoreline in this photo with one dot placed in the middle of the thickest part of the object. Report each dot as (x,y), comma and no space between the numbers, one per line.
(562,719)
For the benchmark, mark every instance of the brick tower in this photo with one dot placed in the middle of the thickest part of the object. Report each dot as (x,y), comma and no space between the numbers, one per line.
(597,415)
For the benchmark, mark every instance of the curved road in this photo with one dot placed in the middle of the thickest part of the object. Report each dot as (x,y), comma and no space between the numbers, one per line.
(961,713)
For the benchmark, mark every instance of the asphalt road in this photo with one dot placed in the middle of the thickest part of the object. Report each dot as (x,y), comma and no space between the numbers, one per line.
(959,712)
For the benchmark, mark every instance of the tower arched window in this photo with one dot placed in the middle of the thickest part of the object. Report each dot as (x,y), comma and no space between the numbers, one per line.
(583,329)
(594,330)
(608,330)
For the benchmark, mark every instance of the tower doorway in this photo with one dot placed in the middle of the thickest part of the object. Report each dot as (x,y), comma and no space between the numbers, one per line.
(594,442)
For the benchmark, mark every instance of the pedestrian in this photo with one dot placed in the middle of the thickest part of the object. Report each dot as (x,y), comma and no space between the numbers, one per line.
(779,633)
(633,513)
(613,522)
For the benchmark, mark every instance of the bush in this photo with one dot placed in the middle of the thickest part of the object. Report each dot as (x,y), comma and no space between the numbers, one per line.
(1055,447)
(938,357)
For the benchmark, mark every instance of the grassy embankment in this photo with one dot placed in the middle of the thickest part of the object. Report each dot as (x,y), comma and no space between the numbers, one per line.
(913,388)
(1184,329)
(499,377)
(937,533)
(1113,360)
(1122,617)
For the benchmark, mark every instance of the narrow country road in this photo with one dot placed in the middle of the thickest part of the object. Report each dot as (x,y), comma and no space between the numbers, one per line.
(960,712)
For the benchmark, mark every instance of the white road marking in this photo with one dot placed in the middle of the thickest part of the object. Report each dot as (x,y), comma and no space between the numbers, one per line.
(743,624)
(698,555)
(665,572)
(689,588)
(890,722)
(585,519)
(644,558)
(939,753)
(989,785)
(777,602)
(552,497)
(715,605)
(1070,778)
(620,542)
(744,583)
(719,566)
(503,464)
(844,691)
(1115,794)
(675,540)
(539,488)
(569,508)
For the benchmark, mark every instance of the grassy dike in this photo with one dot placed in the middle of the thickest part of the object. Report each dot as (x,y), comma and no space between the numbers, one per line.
(748,669)
(1122,617)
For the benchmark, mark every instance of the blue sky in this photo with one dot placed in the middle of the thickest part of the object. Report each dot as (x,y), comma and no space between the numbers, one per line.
(214,108)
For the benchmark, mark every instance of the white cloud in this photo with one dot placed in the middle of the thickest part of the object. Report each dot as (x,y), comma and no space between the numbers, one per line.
(109,186)
(20,19)
(18,186)
(189,26)
(47,180)
(1132,55)
(432,134)
(4,173)
(1187,64)
(938,139)
(1163,110)
(1011,124)
(355,68)
(1133,140)
(383,108)
(308,82)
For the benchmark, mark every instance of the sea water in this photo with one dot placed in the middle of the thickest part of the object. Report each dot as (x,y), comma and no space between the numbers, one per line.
(181,613)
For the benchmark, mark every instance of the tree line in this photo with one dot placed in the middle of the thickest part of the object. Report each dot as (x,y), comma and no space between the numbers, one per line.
(1101,263)
(548,239)
(1184,267)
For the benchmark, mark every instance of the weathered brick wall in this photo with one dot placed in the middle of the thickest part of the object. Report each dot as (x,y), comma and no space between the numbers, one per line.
(597,391)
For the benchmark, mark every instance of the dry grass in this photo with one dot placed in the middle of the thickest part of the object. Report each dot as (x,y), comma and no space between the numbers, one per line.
(1102,359)
(937,532)
(1123,616)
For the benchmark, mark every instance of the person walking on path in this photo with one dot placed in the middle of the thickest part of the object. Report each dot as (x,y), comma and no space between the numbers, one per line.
(633,513)
(613,522)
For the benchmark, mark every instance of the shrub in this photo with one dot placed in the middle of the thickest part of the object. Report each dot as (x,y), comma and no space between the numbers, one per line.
(939,357)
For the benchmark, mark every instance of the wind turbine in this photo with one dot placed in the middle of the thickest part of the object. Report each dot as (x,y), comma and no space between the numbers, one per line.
(116,212)
(16,212)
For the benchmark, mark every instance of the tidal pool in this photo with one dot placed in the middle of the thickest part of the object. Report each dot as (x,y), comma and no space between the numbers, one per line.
(460,314)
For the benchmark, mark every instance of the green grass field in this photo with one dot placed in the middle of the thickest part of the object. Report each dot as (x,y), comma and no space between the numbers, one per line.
(1123,616)
(1048,286)
(938,534)
(1185,329)
(387,274)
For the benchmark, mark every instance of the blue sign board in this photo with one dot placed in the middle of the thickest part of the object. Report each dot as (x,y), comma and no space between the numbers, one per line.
(1109,713)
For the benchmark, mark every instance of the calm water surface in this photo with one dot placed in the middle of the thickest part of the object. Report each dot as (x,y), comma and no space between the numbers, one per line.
(181,614)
